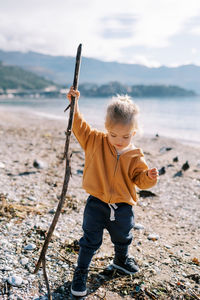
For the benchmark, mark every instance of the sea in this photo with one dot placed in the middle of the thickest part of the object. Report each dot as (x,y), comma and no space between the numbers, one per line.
(170,117)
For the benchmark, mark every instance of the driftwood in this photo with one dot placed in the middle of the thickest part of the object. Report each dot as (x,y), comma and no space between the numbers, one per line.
(42,259)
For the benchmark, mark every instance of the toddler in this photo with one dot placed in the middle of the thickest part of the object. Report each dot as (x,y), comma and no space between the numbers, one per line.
(113,169)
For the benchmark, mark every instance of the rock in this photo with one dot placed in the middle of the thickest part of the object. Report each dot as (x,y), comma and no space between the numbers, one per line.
(178,174)
(162,171)
(39,164)
(31,277)
(2,165)
(166,261)
(12,297)
(142,204)
(152,271)
(153,237)
(24,261)
(109,270)
(194,277)
(138,226)
(175,159)
(168,246)
(145,194)
(79,171)
(165,149)
(26,173)
(52,211)
(185,166)
(15,280)
(157,270)
(31,198)
(137,288)
(30,247)
(6,268)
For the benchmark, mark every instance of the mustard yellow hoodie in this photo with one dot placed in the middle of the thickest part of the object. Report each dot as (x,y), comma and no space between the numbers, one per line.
(107,176)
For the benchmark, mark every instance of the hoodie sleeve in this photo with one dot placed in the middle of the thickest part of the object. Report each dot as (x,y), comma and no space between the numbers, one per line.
(140,176)
(83,132)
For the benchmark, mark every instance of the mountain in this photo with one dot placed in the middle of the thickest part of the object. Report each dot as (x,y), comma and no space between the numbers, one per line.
(61,68)
(12,77)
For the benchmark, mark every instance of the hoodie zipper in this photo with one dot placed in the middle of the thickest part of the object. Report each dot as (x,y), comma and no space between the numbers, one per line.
(118,155)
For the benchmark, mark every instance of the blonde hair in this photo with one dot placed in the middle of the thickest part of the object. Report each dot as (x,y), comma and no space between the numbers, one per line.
(122,110)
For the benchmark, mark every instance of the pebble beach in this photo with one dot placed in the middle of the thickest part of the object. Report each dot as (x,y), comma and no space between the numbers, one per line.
(166,242)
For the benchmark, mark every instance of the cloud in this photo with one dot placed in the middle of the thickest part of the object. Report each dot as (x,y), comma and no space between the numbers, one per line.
(195,31)
(106,28)
(194,51)
(144,60)
(118,26)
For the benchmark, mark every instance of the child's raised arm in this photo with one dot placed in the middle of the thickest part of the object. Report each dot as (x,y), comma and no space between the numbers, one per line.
(81,129)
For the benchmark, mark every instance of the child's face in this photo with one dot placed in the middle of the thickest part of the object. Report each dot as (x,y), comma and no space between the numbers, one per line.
(120,136)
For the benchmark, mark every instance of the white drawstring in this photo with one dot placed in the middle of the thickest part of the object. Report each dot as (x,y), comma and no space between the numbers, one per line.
(112,211)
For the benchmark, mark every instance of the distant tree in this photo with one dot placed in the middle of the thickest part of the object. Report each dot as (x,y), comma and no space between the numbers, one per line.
(114,88)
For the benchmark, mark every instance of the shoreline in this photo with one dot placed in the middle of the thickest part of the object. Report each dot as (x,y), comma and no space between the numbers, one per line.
(50,116)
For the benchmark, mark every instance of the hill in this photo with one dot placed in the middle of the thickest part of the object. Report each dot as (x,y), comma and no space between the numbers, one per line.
(60,69)
(25,82)
(13,77)
(114,88)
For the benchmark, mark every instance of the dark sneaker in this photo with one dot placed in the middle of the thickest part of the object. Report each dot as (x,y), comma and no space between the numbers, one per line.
(78,287)
(127,265)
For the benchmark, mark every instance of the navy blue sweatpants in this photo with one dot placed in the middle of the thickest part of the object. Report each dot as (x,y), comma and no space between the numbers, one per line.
(96,218)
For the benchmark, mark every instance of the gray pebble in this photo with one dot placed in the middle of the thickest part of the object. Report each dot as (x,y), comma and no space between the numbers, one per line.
(168,246)
(39,164)
(79,171)
(178,174)
(152,271)
(157,269)
(6,268)
(15,280)
(153,237)
(2,165)
(31,276)
(146,264)
(41,298)
(24,261)
(30,247)
(138,226)
(167,261)
(31,198)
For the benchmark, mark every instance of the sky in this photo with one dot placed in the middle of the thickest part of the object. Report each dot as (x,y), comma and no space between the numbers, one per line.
(148,32)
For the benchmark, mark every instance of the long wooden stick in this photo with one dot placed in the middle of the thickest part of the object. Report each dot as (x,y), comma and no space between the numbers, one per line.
(67,173)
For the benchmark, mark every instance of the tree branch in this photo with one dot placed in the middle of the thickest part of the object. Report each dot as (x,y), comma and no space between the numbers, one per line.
(66,177)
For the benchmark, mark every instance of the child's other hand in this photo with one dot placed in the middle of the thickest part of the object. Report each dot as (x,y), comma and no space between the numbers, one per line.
(153,173)
(74,93)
